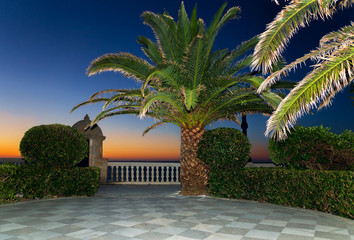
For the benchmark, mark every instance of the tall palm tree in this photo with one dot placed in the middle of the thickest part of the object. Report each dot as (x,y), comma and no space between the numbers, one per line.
(189,84)
(334,61)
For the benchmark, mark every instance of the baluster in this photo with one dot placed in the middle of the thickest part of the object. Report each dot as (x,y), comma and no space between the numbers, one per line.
(129,173)
(124,173)
(150,174)
(160,174)
(170,174)
(155,174)
(134,173)
(109,174)
(145,174)
(174,174)
(119,173)
(140,175)
(114,174)
(164,174)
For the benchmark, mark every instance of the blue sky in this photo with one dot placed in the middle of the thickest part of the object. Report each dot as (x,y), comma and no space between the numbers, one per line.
(46,46)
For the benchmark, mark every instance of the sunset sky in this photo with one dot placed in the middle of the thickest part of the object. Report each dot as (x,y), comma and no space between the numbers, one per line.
(46,46)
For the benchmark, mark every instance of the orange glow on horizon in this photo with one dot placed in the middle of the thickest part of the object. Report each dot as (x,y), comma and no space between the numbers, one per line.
(12,129)
(134,146)
(259,151)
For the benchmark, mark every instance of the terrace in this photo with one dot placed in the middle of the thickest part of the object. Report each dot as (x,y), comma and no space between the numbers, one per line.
(158,212)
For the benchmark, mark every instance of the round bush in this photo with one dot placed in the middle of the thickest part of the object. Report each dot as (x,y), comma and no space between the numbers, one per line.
(224,149)
(53,145)
(314,148)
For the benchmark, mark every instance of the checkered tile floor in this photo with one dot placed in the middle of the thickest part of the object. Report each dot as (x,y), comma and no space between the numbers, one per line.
(153,213)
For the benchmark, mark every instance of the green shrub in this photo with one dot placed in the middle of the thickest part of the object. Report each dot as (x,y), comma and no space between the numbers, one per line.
(314,148)
(62,182)
(223,149)
(8,182)
(53,146)
(326,191)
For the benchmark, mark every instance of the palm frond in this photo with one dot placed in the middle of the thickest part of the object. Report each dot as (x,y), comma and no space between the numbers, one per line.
(153,126)
(165,38)
(89,102)
(288,21)
(161,96)
(329,43)
(319,86)
(125,63)
(150,49)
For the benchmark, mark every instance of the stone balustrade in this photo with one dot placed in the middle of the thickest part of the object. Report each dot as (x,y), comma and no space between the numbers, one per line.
(140,172)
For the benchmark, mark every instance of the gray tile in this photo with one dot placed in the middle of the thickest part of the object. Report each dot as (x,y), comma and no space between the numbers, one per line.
(41,235)
(332,235)
(233,231)
(284,236)
(67,229)
(183,224)
(268,228)
(21,231)
(147,226)
(153,235)
(300,225)
(109,228)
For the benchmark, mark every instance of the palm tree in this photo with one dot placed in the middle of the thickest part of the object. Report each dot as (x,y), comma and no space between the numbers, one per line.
(188,84)
(334,61)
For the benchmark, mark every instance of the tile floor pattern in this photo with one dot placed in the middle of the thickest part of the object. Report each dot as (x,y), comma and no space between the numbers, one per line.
(149,213)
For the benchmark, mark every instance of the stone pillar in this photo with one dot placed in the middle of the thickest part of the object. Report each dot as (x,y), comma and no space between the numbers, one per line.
(96,139)
(95,157)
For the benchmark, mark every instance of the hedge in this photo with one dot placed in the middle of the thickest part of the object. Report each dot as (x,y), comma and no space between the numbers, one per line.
(31,182)
(8,182)
(326,191)
(314,148)
(53,146)
(224,148)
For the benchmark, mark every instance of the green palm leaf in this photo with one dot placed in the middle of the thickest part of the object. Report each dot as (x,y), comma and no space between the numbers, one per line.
(278,33)
(330,77)
(125,63)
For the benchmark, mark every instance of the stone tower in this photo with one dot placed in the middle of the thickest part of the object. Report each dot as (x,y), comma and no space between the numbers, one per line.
(95,138)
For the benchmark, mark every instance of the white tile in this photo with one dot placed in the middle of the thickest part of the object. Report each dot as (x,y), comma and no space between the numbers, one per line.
(206,228)
(224,217)
(329,229)
(262,234)
(161,221)
(125,223)
(129,232)
(241,225)
(5,236)
(298,231)
(179,238)
(274,223)
(42,235)
(184,213)
(170,230)
(89,224)
(10,226)
(222,236)
(49,225)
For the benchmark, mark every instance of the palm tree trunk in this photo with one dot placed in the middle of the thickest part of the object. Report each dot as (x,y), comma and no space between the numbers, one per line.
(194,173)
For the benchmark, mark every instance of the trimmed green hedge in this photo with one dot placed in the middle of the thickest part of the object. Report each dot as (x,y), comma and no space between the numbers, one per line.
(326,191)
(32,182)
(53,146)
(314,148)
(222,149)
(8,182)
